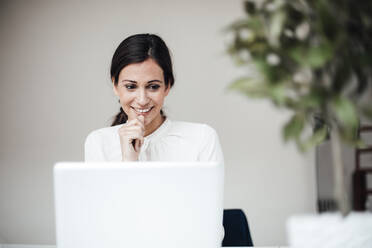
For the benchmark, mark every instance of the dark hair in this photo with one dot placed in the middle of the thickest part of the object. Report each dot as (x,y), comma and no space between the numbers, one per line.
(136,49)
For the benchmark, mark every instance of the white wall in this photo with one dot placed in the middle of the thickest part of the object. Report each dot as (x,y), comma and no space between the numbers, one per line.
(55,89)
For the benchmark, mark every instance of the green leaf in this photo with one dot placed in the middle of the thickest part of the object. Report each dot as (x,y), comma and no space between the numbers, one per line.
(250,86)
(314,57)
(251,23)
(278,93)
(341,75)
(275,28)
(317,138)
(294,127)
(267,71)
(310,101)
(345,112)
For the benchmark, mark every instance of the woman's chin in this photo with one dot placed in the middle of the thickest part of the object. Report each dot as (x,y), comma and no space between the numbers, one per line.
(147,121)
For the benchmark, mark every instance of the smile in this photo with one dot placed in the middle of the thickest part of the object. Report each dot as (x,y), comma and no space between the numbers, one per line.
(141,111)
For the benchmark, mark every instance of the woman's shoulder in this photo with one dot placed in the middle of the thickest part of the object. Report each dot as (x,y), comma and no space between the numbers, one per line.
(199,137)
(191,128)
(103,133)
(99,142)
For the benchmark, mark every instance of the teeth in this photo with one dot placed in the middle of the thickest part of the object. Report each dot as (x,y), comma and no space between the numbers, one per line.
(143,110)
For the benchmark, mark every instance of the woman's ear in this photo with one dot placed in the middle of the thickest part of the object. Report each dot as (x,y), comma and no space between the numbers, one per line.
(114,87)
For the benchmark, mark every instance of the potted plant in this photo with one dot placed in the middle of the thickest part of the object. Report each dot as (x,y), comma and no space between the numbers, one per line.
(313,57)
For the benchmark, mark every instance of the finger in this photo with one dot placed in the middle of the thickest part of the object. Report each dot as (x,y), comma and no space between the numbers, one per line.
(129,136)
(133,136)
(141,141)
(130,118)
(135,122)
(137,145)
(131,122)
(141,118)
(141,121)
(130,130)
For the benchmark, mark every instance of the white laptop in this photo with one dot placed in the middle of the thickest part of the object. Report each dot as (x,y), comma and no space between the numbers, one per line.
(139,204)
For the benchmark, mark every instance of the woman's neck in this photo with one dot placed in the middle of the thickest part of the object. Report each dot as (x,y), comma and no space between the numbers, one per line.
(154,125)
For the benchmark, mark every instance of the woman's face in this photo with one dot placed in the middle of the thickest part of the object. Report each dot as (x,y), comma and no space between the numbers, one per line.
(142,90)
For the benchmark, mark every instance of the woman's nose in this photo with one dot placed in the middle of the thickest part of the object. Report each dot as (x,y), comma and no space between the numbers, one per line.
(142,98)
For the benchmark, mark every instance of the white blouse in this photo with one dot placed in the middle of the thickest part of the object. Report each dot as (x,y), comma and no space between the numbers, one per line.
(172,141)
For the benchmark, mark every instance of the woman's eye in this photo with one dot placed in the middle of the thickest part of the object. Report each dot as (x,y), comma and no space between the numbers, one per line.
(130,86)
(154,86)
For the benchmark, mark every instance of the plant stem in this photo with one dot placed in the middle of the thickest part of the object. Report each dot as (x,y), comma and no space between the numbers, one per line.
(340,192)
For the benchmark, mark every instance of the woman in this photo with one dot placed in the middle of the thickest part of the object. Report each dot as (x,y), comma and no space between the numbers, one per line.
(142,76)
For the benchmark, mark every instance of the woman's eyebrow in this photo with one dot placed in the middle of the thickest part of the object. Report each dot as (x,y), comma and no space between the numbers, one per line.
(151,81)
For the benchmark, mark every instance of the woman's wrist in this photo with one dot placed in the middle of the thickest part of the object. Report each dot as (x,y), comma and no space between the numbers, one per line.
(129,159)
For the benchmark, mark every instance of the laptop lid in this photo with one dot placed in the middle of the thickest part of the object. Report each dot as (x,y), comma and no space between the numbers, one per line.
(139,204)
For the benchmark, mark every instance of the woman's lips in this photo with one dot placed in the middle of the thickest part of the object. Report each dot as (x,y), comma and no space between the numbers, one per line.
(143,111)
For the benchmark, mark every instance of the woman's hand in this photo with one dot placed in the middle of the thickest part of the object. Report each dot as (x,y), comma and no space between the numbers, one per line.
(131,138)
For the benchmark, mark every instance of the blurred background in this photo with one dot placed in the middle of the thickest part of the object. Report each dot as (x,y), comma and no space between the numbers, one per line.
(55,88)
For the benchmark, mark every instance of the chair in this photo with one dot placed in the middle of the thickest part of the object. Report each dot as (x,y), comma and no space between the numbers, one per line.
(361,189)
(236,228)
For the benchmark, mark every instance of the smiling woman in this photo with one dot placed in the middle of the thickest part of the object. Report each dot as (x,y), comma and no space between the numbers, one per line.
(142,90)
(142,76)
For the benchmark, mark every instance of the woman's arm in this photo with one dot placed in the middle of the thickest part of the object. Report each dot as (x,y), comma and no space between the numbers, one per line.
(131,138)
(210,149)
(93,151)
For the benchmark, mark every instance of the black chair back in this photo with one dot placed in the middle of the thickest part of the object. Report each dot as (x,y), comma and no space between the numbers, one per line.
(236,228)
